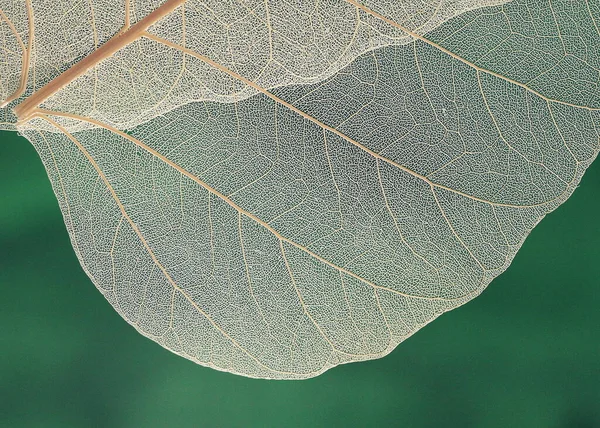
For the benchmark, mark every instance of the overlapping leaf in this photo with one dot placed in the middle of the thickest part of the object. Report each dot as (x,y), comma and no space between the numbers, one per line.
(304,185)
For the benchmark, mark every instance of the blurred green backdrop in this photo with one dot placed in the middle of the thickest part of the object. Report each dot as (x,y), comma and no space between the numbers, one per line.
(524,354)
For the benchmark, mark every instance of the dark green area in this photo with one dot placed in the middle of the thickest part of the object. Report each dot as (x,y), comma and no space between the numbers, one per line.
(524,354)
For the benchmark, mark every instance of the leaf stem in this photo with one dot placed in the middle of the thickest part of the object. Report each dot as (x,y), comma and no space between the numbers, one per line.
(116,43)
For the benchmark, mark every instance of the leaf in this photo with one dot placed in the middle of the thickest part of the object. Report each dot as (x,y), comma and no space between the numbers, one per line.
(274,189)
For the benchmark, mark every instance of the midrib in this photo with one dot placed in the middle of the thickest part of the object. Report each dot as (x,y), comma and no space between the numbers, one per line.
(116,43)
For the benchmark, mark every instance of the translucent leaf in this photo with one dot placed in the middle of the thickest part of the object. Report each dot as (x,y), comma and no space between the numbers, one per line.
(273,189)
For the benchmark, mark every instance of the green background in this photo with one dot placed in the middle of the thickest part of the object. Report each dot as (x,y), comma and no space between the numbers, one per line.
(525,353)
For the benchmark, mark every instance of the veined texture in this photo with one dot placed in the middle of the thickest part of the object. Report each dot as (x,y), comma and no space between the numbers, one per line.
(276,223)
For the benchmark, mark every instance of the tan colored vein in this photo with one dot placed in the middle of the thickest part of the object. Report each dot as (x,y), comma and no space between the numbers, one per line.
(26,51)
(127,22)
(183,171)
(330,128)
(508,144)
(456,235)
(116,43)
(247,270)
(587,5)
(385,319)
(394,219)
(301,299)
(112,252)
(337,188)
(93,23)
(459,58)
(147,247)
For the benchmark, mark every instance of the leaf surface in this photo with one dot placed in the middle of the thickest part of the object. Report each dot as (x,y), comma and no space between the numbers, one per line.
(273,190)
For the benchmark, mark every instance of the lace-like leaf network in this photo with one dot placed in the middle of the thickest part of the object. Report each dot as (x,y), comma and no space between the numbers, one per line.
(273,188)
